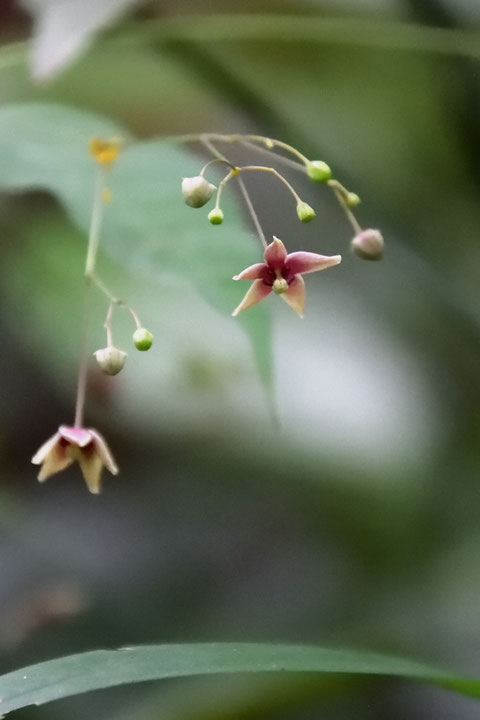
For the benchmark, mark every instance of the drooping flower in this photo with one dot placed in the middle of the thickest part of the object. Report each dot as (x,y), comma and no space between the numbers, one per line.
(70,444)
(281,273)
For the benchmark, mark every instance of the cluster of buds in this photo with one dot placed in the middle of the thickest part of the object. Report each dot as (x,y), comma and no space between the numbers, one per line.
(111,360)
(280,273)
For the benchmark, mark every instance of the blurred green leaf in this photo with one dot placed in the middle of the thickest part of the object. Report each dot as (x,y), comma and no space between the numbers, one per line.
(81,673)
(147,226)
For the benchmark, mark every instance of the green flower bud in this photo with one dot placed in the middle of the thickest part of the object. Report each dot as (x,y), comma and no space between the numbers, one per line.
(142,339)
(353,199)
(368,244)
(318,171)
(197,191)
(110,360)
(305,212)
(280,286)
(215,216)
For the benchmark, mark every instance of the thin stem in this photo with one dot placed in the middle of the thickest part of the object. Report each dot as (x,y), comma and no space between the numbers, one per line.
(103,288)
(222,184)
(261,168)
(205,139)
(83,366)
(134,315)
(270,143)
(252,212)
(95,224)
(264,142)
(108,324)
(265,151)
(340,193)
(115,300)
(93,242)
(211,162)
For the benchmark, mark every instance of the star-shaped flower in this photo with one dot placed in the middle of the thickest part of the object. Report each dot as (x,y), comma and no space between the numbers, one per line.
(73,443)
(282,274)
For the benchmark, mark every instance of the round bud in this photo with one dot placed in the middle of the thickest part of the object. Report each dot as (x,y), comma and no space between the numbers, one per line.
(215,216)
(197,191)
(305,212)
(142,339)
(110,360)
(353,199)
(318,171)
(280,286)
(368,244)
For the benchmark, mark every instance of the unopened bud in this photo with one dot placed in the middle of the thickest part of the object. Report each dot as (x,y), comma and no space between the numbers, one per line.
(142,339)
(280,286)
(318,171)
(353,199)
(110,360)
(216,216)
(305,212)
(197,191)
(368,244)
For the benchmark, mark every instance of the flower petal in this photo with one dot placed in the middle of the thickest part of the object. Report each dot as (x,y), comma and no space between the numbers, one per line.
(275,254)
(104,451)
(56,460)
(254,272)
(307,262)
(44,450)
(256,292)
(91,465)
(295,295)
(75,435)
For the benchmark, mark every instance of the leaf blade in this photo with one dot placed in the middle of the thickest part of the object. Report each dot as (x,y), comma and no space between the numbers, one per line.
(75,674)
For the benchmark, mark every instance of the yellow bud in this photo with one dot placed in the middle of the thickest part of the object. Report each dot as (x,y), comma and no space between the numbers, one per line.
(353,199)
(105,152)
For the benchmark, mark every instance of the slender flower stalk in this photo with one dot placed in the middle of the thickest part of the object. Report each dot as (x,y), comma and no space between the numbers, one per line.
(251,209)
(262,168)
(341,193)
(92,251)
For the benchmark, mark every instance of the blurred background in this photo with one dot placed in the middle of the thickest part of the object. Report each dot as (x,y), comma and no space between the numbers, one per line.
(353,521)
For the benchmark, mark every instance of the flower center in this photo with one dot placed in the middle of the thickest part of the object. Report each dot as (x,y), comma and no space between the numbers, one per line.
(280,285)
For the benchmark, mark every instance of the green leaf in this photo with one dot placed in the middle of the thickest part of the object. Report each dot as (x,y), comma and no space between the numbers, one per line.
(147,227)
(81,673)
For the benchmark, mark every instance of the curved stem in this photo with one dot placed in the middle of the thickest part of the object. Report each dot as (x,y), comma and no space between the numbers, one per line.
(222,184)
(281,158)
(211,162)
(261,168)
(340,193)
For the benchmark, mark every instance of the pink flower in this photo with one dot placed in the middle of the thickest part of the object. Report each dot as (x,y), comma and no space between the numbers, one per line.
(73,443)
(282,274)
